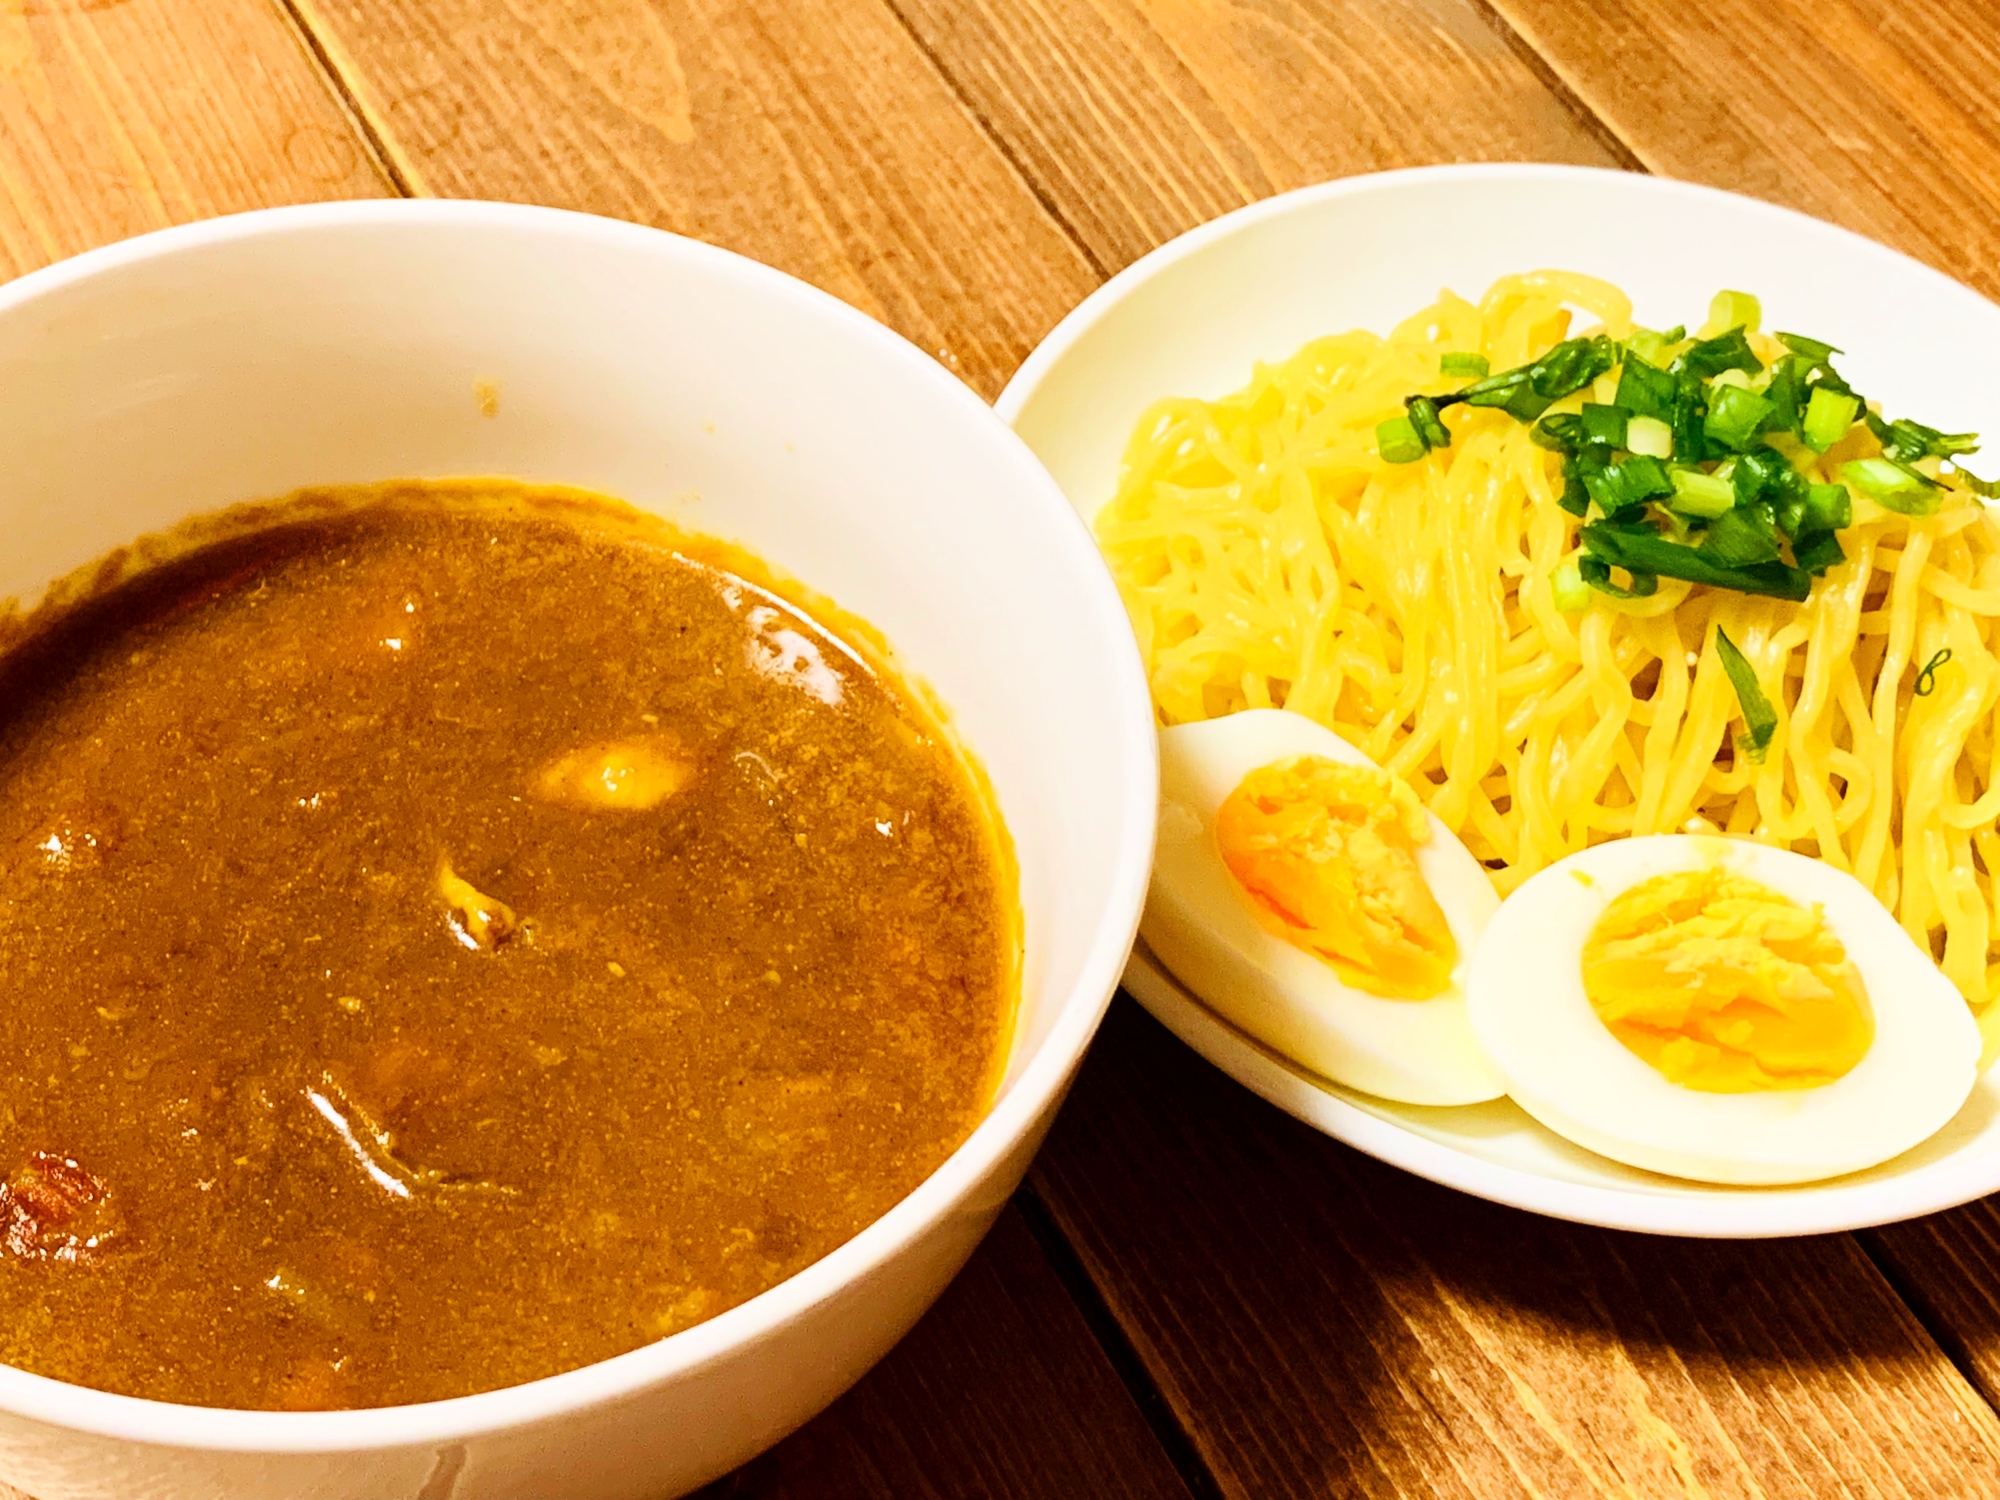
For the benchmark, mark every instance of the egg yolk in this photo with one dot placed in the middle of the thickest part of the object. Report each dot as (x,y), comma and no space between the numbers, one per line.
(1327,854)
(1726,986)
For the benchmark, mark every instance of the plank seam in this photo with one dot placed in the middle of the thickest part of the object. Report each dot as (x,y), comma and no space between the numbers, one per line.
(1928,1316)
(371,139)
(1594,124)
(1118,1349)
(997,140)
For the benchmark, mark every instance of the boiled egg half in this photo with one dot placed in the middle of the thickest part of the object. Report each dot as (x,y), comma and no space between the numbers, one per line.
(1719,1010)
(1307,897)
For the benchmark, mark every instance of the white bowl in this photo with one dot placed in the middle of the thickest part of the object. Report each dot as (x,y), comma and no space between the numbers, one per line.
(1192,317)
(244,357)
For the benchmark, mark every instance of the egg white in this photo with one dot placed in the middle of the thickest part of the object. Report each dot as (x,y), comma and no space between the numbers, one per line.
(1564,1066)
(1202,925)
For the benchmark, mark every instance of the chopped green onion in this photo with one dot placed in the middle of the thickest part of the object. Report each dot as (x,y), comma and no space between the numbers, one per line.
(1828,416)
(1904,441)
(1699,494)
(1740,537)
(1604,424)
(1892,486)
(1423,414)
(1398,441)
(1474,365)
(1786,392)
(1761,472)
(1734,310)
(1575,497)
(1524,403)
(1597,573)
(1571,592)
(1571,366)
(1650,346)
(1645,389)
(1791,514)
(1494,390)
(1735,416)
(1690,405)
(1559,431)
(1650,436)
(1651,553)
(1758,715)
(1626,483)
(1988,489)
(1828,508)
(1927,679)
(1732,377)
(1817,552)
(1811,350)
(1727,351)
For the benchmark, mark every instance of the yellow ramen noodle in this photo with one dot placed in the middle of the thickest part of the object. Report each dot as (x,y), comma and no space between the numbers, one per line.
(1269,557)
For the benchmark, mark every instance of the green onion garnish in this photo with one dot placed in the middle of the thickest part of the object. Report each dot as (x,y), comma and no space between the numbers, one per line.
(1817,551)
(1727,351)
(1649,552)
(1650,436)
(1735,416)
(1560,432)
(1595,572)
(1828,508)
(1734,310)
(1892,486)
(1646,390)
(1651,346)
(1828,416)
(1398,442)
(1641,470)
(1927,679)
(1604,424)
(1423,415)
(1740,537)
(1623,483)
(1811,350)
(1758,715)
(1987,489)
(1699,494)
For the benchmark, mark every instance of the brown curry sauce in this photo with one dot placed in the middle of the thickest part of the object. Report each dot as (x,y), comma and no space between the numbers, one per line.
(455,938)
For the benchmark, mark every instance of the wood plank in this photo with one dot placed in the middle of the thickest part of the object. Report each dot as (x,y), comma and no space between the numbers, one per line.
(1876,114)
(812,134)
(1947,1267)
(1322,1323)
(999,1392)
(1137,119)
(116,118)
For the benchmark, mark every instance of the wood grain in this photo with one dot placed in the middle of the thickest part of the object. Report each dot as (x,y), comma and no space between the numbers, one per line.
(811,134)
(1137,119)
(1000,1392)
(1947,1267)
(1321,1323)
(1876,114)
(122,117)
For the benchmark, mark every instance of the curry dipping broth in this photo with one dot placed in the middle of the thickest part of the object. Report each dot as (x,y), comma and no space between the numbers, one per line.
(454,934)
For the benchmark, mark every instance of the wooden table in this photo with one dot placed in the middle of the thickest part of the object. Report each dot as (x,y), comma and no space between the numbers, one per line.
(1194,1296)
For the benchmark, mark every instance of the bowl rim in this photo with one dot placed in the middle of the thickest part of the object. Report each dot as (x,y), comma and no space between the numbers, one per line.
(1717,1212)
(1036,1089)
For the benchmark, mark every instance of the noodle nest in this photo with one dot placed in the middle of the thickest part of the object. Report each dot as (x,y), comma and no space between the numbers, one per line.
(1270,558)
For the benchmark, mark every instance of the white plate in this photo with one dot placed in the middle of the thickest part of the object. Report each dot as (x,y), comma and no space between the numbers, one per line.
(1192,317)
